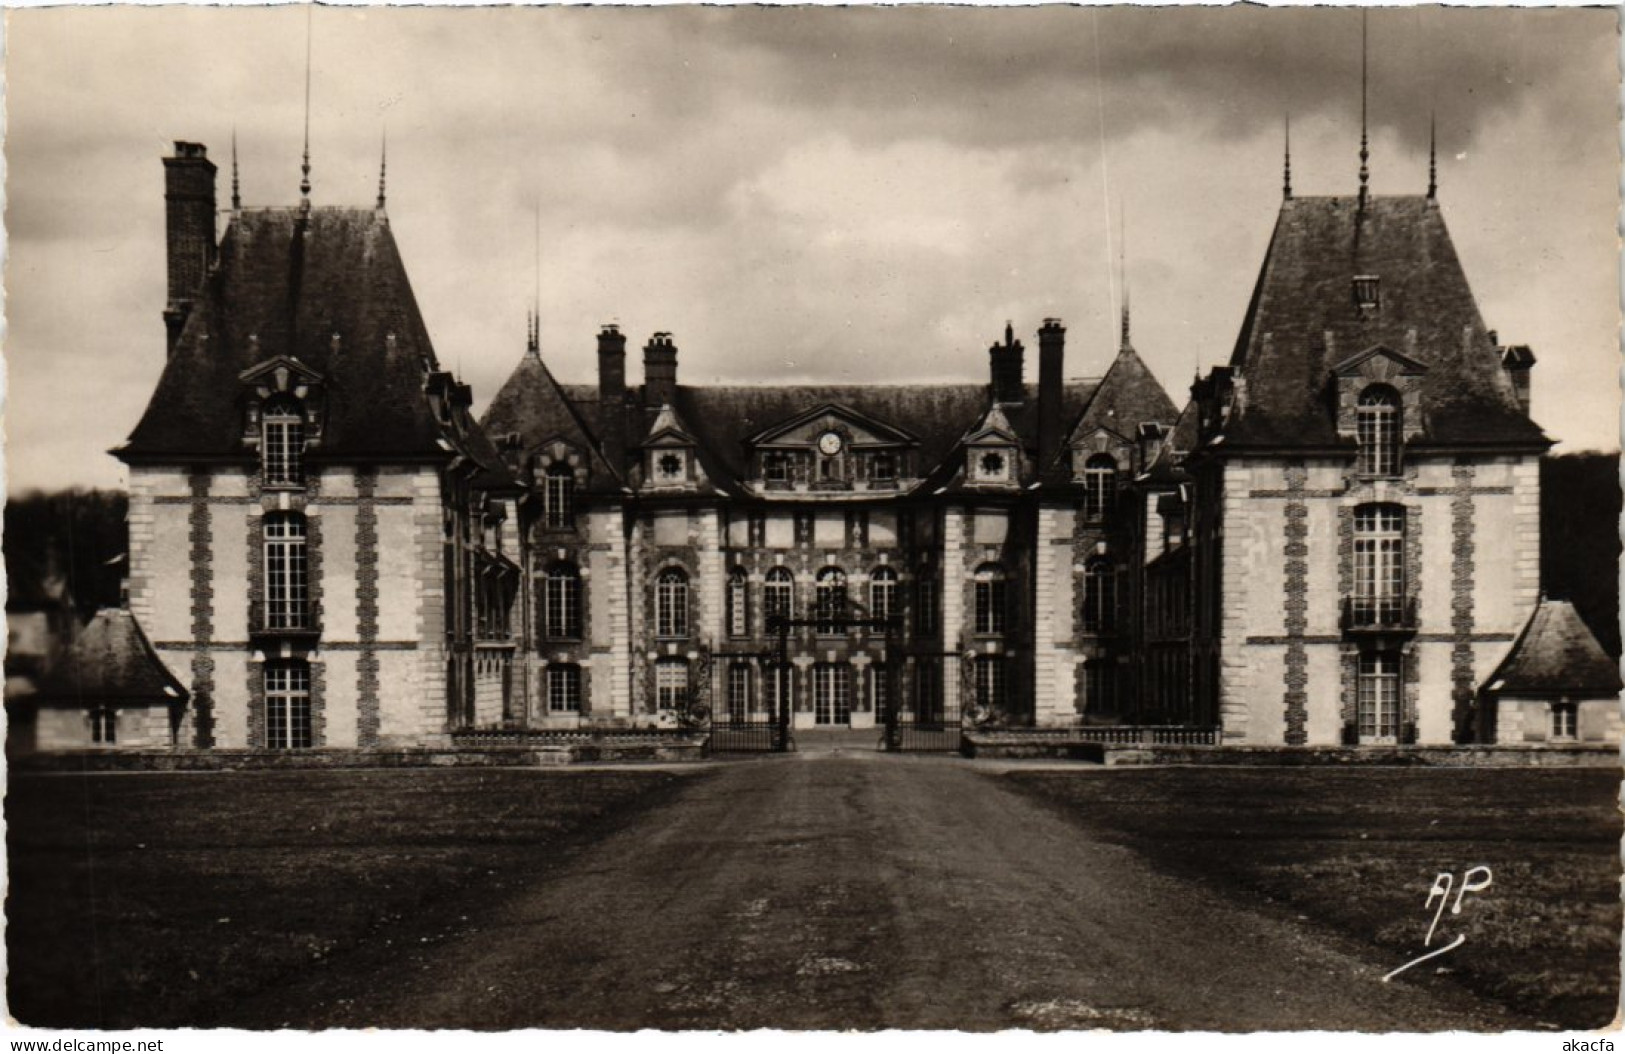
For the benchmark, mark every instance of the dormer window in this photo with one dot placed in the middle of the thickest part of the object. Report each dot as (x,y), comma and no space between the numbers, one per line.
(558,497)
(282,442)
(1099,487)
(992,466)
(884,467)
(669,468)
(1366,294)
(1378,429)
(775,468)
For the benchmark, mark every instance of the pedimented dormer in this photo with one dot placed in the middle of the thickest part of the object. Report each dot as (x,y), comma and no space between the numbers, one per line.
(283,414)
(831,448)
(669,460)
(1376,375)
(993,453)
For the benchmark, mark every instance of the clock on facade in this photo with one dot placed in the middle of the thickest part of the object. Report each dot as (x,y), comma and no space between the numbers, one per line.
(829,444)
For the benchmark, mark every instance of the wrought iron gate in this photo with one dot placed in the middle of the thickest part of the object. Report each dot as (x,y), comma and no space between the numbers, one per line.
(752,707)
(926,711)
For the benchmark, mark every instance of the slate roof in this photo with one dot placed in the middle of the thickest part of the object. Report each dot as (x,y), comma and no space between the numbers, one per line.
(291,284)
(1556,655)
(111,662)
(534,405)
(1302,321)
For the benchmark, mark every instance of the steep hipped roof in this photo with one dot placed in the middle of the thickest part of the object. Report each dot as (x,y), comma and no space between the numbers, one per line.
(293,284)
(111,662)
(1302,321)
(1128,396)
(1556,655)
(533,404)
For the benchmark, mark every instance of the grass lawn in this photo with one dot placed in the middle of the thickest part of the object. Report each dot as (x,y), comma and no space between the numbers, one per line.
(1358,850)
(155,899)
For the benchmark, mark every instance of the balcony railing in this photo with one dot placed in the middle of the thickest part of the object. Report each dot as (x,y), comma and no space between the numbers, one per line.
(283,619)
(1379,614)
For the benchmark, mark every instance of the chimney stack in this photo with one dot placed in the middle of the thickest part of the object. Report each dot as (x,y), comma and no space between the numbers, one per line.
(659,371)
(1051,388)
(1517,361)
(189,214)
(612,394)
(1005,368)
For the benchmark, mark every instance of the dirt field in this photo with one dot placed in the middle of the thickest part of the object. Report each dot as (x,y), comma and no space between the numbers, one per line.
(1358,852)
(158,900)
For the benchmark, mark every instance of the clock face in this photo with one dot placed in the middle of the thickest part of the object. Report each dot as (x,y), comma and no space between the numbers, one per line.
(829,444)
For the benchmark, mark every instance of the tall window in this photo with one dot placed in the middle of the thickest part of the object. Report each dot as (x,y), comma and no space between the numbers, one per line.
(928,692)
(287,706)
(879,689)
(559,497)
(883,593)
(671,684)
(282,442)
(775,686)
(779,593)
(1379,697)
(1377,427)
(990,682)
(671,603)
(1099,595)
(831,597)
(738,691)
(832,693)
(1564,723)
(104,725)
(925,599)
(738,604)
(564,688)
(287,586)
(561,602)
(1100,686)
(1099,487)
(1379,565)
(990,599)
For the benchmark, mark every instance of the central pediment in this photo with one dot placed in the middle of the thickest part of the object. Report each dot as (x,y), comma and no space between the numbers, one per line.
(859,431)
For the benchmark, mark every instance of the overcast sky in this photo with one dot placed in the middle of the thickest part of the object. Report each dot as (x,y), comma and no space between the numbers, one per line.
(837,194)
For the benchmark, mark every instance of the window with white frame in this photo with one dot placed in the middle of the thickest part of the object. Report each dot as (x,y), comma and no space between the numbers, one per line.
(561,602)
(775,686)
(564,688)
(1099,487)
(104,725)
(925,604)
(671,684)
(282,442)
(558,497)
(1377,429)
(739,697)
(1378,702)
(832,693)
(879,689)
(738,603)
(1565,720)
(830,587)
(287,705)
(287,584)
(1379,565)
(991,606)
(779,593)
(1099,595)
(671,604)
(882,593)
(990,681)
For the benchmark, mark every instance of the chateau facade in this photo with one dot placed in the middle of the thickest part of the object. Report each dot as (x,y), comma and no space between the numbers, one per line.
(1335,540)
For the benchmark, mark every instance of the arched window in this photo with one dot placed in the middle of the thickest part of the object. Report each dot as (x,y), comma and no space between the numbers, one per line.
(558,497)
(287,705)
(287,584)
(1379,565)
(564,688)
(1099,595)
(831,597)
(991,607)
(1377,428)
(671,603)
(738,604)
(779,593)
(282,442)
(738,691)
(1099,487)
(882,593)
(561,602)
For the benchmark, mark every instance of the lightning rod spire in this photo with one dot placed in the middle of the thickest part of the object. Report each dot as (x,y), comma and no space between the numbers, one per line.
(1365,153)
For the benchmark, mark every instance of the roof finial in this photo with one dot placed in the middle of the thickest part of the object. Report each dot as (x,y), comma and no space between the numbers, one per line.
(383,168)
(1365,154)
(1433,157)
(236,196)
(1286,182)
(533,324)
(1122,268)
(304,166)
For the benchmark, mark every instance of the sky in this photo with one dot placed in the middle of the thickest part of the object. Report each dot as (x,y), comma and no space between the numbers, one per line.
(810,194)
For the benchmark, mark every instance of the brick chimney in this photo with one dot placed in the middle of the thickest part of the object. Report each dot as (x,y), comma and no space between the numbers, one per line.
(1005,368)
(612,394)
(1051,388)
(659,371)
(1517,361)
(189,213)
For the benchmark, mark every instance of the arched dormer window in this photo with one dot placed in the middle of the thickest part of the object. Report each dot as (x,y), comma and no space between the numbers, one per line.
(671,603)
(561,602)
(1378,428)
(558,497)
(738,604)
(1099,487)
(282,442)
(991,606)
(1099,595)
